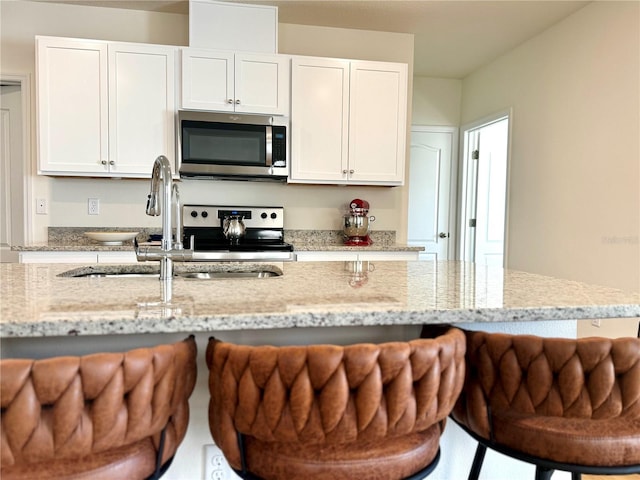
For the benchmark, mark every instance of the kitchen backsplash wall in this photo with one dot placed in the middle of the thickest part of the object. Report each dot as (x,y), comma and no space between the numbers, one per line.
(122,201)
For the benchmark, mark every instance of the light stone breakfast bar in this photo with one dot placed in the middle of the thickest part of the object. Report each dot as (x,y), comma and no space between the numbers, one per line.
(45,311)
(37,301)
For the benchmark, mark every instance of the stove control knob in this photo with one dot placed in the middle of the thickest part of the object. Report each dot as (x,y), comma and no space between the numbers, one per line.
(205,214)
(194,214)
(263,215)
(274,215)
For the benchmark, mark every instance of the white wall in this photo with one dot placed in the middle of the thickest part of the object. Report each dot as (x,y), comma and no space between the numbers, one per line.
(122,201)
(574,208)
(436,101)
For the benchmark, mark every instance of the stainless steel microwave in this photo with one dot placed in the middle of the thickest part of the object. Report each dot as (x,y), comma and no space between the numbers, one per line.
(232,146)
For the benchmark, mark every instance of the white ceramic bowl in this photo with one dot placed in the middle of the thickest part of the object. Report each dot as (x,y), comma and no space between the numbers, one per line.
(111,238)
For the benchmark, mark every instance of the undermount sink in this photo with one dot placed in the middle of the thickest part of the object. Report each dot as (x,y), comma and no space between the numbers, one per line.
(230,274)
(112,275)
(147,271)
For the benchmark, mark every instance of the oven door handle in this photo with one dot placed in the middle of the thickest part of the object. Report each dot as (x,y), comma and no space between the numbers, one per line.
(227,256)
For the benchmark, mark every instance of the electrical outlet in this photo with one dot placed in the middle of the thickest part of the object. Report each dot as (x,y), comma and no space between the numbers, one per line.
(216,466)
(93,206)
(595,322)
(41,206)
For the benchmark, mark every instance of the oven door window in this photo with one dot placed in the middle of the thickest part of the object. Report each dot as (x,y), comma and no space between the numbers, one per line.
(223,143)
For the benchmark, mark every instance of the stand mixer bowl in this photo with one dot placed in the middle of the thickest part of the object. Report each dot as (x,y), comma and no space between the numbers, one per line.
(357,225)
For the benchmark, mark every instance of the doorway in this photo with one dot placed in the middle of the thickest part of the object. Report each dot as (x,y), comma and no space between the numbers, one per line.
(14,164)
(484,191)
(432,191)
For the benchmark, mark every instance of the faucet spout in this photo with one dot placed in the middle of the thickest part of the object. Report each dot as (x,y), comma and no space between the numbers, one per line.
(170,247)
(162,173)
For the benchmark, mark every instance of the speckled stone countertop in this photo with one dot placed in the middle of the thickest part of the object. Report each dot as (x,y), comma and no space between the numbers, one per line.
(37,302)
(66,239)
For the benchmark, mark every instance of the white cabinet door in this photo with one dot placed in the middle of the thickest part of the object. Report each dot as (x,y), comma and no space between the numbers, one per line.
(141,107)
(326,256)
(117,257)
(351,255)
(377,122)
(389,256)
(262,84)
(207,80)
(319,120)
(348,121)
(58,257)
(72,106)
(226,82)
(104,108)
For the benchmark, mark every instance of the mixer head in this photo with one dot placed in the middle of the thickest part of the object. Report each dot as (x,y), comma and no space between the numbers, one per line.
(358,206)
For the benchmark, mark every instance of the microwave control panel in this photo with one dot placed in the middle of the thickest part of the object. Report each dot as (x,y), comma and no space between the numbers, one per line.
(279,146)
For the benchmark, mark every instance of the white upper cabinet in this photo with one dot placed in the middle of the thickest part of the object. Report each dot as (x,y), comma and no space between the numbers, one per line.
(141,107)
(377,122)
(104,109)
(235,82)
(348,121)
(319,120)
(72,100)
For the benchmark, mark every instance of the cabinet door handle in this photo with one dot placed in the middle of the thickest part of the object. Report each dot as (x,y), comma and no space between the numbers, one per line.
(443,235)
(237,102)
(103,162)
(230,100)
(112,162)
(351,172)
(344,172)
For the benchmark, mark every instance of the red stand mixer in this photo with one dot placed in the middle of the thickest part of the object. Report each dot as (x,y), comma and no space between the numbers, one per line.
(356,224)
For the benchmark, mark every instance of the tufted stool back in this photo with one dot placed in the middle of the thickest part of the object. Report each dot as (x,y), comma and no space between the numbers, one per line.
(564,400)
(98,416)
(333,412)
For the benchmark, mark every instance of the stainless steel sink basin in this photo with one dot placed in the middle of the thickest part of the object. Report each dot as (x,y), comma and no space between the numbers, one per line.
(114,275)
(147,271)
(239,274)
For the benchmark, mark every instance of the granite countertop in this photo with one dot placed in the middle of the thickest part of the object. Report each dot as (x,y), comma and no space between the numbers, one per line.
(37,302)
(72,239)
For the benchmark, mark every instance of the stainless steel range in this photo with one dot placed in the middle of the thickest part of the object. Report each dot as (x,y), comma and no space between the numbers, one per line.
(236,233)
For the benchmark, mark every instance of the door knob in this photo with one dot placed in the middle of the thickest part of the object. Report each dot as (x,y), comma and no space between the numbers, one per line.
(443,235)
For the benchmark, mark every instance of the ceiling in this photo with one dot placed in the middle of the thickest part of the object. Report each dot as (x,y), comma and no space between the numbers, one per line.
(452,37)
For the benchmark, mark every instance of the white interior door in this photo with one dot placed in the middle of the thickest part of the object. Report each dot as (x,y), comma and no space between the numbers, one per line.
(485,192)
(491,194)
(11,171)
(431,204)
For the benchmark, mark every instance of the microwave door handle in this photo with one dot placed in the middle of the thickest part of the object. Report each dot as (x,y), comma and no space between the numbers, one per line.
(269,145)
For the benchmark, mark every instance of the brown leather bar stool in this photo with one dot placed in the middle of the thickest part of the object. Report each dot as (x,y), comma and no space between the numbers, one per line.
(560,404)
(101,416)
(334,412)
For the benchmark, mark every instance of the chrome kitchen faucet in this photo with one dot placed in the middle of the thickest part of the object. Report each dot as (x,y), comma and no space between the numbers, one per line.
(170,247)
